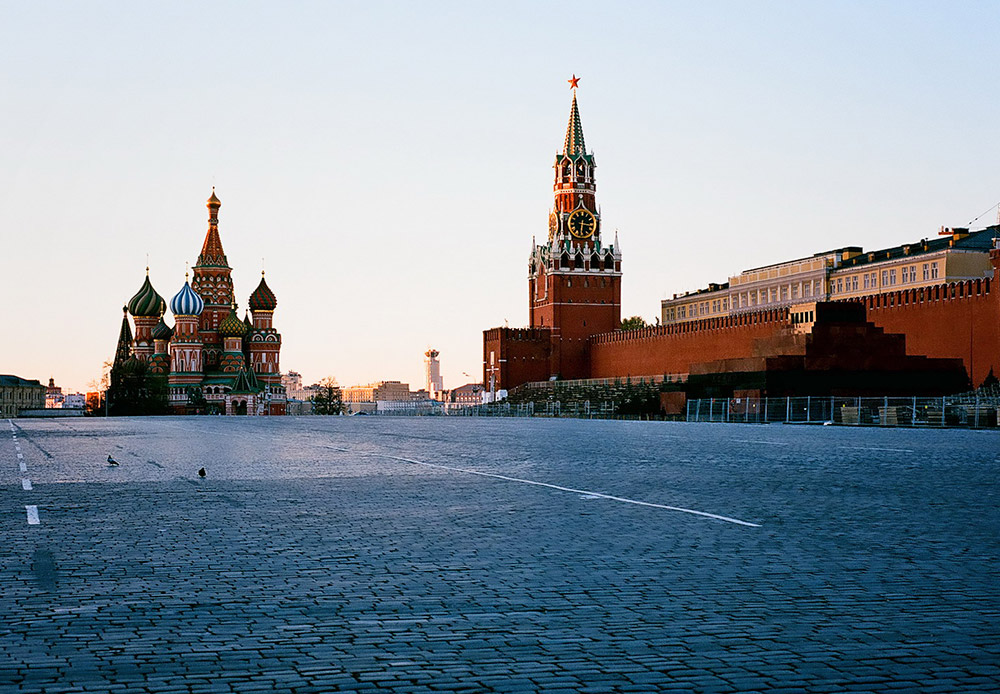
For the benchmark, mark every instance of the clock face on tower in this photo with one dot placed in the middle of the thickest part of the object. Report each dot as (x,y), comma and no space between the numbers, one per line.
(582,224)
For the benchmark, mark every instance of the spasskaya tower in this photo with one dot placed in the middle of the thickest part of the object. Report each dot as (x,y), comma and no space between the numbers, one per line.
(574,279)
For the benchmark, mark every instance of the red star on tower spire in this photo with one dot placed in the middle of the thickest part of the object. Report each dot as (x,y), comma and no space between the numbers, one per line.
(573,82)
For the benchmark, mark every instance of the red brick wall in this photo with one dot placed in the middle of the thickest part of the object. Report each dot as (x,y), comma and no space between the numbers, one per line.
(672,349)
(959,320)
(520,355)
(575,307)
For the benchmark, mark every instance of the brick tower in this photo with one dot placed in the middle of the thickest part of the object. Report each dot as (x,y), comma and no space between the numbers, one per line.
(211,279)
(265,341)
(574,280)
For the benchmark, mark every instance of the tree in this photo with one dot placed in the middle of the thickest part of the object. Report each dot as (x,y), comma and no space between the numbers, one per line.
(196,400)
(134,391)
(633,323)
(327,397)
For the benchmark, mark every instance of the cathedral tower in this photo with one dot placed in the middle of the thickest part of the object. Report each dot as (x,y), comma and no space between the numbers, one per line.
(574,279)
(265,342)
(212,281)
(146,308)
(186,365)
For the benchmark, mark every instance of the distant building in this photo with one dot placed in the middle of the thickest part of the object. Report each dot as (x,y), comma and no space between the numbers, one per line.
(469,395)
(363,398)
(55,399)
(74,401)
(843,273)
(293,386)
(432,369)
(18,394)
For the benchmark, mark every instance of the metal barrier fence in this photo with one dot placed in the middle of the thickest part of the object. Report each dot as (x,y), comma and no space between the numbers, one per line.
(884,411)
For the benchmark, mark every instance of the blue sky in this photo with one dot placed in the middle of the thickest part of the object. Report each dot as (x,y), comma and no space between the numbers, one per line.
(391,161)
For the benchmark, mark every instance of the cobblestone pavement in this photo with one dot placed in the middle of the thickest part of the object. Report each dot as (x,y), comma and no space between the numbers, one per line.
(326,554)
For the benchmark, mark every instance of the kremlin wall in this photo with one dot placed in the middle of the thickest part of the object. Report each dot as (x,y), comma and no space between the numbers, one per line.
(918,319)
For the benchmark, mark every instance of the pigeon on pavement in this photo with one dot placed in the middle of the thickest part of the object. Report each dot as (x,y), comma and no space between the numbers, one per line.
(201,472)
(112,461)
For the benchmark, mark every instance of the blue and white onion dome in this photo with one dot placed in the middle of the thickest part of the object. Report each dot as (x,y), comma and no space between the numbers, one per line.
(186,302)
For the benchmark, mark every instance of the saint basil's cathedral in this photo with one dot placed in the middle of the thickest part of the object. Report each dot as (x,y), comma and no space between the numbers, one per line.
(212,359)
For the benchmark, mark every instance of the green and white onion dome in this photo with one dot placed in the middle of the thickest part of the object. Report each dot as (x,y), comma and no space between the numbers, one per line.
(146,301)
(186,302)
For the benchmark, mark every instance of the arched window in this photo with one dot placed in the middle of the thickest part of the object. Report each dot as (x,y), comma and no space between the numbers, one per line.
(579,261)
(595,261)
(564,261)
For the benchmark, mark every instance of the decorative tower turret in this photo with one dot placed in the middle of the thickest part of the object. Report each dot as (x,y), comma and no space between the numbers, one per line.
(159,363)
(146,308)
(265,342)
(186,365)
(232,330)
(212,281)
(574,280)
(124,348)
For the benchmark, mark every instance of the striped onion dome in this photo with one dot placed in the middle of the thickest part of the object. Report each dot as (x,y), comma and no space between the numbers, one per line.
(162,331)
(146,301)
(263,298)
(232,326)
(186,302)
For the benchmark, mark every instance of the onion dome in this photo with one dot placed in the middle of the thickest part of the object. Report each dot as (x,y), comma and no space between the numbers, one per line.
(162,331)
(132,365)
(232,326)
(146,301)
(247,322)
(262,298)
(186,302)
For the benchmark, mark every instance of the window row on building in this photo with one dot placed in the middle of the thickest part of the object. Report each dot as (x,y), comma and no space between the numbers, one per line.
(840,274)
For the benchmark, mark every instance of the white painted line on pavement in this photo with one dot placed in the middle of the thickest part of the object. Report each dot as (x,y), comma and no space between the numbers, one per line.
(869,448)
(556,487)
(26,484)
(24,468)
(32,515)
(19,455)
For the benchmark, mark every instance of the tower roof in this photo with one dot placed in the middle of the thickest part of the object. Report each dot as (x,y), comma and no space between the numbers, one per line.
(574,145)
(124,349)
(162,331)
(263,298)
(146,301)
(232,326)
(186,302)
(212,254)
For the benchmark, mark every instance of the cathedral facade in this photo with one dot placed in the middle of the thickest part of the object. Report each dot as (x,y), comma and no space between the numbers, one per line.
(213,360)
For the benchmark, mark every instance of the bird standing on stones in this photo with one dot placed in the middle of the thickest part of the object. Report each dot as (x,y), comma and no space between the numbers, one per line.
(112,461)
(201,472)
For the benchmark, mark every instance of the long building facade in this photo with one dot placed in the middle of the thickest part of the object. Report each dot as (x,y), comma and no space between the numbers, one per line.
(931,307)
(212,359)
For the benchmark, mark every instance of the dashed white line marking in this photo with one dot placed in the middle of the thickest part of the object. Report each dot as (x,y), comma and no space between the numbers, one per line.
(869,448)
(588,493)
(20,455)
(32,515)
(24,468)
(26,484)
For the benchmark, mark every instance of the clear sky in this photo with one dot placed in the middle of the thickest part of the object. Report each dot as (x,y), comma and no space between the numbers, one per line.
(391,161)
